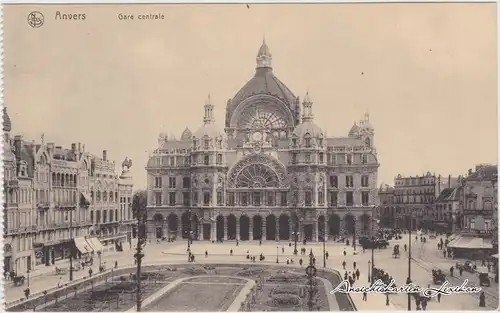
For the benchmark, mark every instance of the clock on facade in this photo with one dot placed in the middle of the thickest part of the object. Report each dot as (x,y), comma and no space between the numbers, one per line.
(257,136)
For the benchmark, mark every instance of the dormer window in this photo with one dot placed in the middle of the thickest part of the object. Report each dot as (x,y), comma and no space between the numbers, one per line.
(364,159)
(320,142)
(307,142)
(206,144)
(349,159)
(294,142)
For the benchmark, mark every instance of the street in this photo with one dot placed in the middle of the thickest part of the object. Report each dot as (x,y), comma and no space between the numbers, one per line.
(425,259)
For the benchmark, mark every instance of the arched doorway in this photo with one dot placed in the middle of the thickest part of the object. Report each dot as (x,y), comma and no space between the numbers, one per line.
(244,228)
(284,228)
(271,227)
(334,225)
(173,224)
(257,227)
(365,225)
(195,227)
(186,224)
(158,224)
(231,227)
(321,228)
(220,228)
(350,224)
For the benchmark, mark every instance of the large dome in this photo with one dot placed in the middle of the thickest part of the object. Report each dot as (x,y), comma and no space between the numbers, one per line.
(264,82)
(308,127)
(211,130)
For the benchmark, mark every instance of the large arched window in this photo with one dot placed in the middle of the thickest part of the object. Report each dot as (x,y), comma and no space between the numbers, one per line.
(257,176)
(262,116)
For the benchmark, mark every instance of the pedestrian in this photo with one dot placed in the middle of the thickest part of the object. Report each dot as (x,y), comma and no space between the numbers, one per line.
(357,273)
(354,264)
(345,253)
(116,264)
(439,297)
(231,252)
(482,300)
(90,271)
(460,270)
(314,261)
(345,275)
(343,265)
(451,271)
(206,253)
(260,242)
(237,242)
(282,250)
(364,295)
(326,255)
(59,283)
(300,262)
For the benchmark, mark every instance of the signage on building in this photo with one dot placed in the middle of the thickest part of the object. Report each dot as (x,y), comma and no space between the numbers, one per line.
(478,212)
(39,255)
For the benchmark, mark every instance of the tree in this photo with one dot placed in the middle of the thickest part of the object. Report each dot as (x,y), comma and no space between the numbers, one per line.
(139,203)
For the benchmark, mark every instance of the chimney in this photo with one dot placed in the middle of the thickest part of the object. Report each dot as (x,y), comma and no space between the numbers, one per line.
(83,148)
(73,147)
(104,155)
(79,147)
(449,181)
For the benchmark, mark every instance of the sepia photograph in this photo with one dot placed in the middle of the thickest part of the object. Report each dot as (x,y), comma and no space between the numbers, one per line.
(250,157)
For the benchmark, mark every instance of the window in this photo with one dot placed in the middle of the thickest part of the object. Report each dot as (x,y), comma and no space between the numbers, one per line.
(158,198)
(219,197)
(334,181)
(270,199)
(206,198)
(105,216)
(333,198)
(172,161)
(349,159)
(98,216)
(284,201)
(256,198)
(171,198)
(321,157)
(244,199)
(349,198)
(308,198)
(321,199)
(219,158)
(294,142)
(349,181)
(364,181)
(364,159)
(195,198)
(334,159)
(171,182)
(185,198)
(92,216)
(231,198)
(308,157)
(365,198)
(295,197)
(206,144)
(206,160)
(320,142)
(186,182)
(294,158)
(307,142)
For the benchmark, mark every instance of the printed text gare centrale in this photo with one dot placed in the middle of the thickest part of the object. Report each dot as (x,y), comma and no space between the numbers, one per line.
(149,16)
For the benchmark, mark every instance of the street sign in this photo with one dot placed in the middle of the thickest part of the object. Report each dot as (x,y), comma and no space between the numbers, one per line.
(311,270)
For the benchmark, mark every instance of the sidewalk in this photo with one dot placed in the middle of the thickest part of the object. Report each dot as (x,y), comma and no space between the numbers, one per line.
(374,301)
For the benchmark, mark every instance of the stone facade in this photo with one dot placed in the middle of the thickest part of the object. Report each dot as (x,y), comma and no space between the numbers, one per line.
(57,198)
(270,174)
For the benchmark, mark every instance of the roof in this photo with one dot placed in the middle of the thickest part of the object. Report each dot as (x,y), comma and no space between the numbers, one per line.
(307,127)
(7,124)
(467,242)
(174,144)
(211,130)
(449,194)
(186,134)
(484,172)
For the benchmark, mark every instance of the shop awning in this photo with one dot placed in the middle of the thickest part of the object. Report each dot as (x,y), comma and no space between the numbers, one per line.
(495,256)
(82,245)
(96,244)
(464,242)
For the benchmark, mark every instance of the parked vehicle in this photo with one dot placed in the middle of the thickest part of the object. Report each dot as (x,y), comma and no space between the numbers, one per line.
(484,279)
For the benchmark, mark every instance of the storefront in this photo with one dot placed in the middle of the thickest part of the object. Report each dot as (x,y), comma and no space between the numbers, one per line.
(83,248)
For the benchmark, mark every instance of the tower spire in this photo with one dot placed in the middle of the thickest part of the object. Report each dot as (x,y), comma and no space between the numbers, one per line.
(307,115)
(264,56)
(209,107)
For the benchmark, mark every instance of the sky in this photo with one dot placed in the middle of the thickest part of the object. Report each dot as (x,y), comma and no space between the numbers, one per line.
(426,73)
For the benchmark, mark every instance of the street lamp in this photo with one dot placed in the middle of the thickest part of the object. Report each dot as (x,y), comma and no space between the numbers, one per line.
(324,246)
(408,281)
(296,235)
(373,242)
(311,273)
(28,272)
(369,267)
(277,260)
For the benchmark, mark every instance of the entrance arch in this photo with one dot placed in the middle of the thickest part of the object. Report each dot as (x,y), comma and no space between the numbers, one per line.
(172,224)
(257,227)
(350,224)
(186,224)
(334,225)
(365,224)
(231,227)
(321,228)
(284,229)
(220,227)
(271,227)
(244,228)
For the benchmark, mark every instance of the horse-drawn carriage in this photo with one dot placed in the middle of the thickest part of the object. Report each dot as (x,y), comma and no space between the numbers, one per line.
(396,253)
(438,277)
(467,266)
(18,280)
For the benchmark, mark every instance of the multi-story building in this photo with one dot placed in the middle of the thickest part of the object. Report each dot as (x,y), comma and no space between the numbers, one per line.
(271,173)
(125,193)
(387,211)
(50,204)
(478,199)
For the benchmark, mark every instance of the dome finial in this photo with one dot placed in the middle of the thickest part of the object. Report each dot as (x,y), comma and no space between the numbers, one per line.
(264,56)
(307,116)
(209,118)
